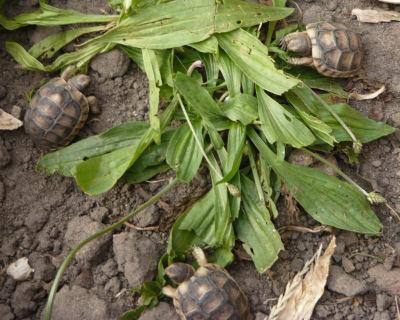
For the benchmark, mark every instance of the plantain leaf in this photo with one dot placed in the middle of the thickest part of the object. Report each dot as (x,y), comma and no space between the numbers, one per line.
(183,153)
(53,43)
(242,108)
(365,129)
(65,160)
(48,15)
(278,124)
(251,57)
(209,45)
(327,199)
(231,73)
(236,143)
(183,22)
(254,228)
(152,70)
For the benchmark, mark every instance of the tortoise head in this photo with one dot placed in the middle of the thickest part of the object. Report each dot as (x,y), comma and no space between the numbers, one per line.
(179,272)
(298,42)
(80,81)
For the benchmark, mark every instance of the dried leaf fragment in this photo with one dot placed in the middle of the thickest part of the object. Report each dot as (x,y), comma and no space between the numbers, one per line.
(306,288)
(8,122)
(375,16)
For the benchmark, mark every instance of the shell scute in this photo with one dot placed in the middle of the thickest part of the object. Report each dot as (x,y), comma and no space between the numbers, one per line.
(58,111)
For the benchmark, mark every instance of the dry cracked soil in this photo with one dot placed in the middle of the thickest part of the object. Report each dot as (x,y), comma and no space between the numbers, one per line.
(42,216)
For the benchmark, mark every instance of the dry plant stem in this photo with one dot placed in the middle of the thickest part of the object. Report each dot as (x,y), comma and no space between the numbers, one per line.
(305,230)
(72,253)
(132,226)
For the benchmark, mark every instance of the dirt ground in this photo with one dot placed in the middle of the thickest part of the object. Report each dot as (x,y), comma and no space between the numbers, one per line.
(42,216)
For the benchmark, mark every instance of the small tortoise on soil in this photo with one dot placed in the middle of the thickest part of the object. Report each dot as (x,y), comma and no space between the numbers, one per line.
(331,48)
(59,110)
(209,293)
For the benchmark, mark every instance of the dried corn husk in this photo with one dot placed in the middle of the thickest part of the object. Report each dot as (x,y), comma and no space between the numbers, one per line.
(304,291)
(375,16)
(8,122)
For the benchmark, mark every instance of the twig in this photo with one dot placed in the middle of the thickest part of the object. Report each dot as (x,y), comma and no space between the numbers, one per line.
(132,226)
(305,229)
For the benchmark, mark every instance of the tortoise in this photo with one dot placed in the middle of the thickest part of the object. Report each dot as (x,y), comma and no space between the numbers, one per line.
(331,48)
(209,293)
(59,109)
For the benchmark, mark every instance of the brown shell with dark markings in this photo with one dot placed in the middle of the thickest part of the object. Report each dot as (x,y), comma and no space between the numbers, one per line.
(57,112)
(211,294)
(336,50)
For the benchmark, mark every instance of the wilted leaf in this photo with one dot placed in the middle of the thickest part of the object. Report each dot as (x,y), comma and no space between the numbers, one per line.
(252,58)
(255,229)
(303,292)
(375,16)
(327,199)
(8,122)
(278,124)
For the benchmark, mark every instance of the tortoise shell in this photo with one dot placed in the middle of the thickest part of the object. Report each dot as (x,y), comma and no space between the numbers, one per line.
(211,294)
(336,50)
(57,112)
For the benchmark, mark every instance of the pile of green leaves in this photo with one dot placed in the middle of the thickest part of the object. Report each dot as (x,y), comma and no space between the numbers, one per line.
(239,111)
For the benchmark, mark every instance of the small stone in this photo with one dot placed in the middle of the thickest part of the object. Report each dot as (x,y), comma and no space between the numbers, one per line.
(349,238)
(148,217)
(16,112)
(340,248)
(297,264)
(78,229)
(331,5)
(384,315)
(113,286)
(99,214)
(111,64)
(110,268)
(43,32)
(3,92)
(389,262)
(322,311)
(162,311)
(383,301)
(5,157)
(342,283)
(387,281)
(78,303)
(20,270)
(5,312)
(301,158)
(301,246)
(137,257)
(347,265)
(36,220)
(377,163)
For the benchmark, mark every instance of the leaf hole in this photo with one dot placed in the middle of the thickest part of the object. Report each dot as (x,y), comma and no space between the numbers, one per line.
(239,22)
(288,118)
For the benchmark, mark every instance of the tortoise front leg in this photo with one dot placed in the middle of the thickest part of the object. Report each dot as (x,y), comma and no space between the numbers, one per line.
(200,257)
(301,61)
(93,105)
(169,292)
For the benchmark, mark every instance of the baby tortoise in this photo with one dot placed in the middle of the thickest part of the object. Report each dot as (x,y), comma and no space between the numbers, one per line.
(59,109)
(209,293)
(331,48)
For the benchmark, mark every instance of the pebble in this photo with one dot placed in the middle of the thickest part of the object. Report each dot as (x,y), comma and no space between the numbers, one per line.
(377,163)
(331,5)
(148,217)
(342,283)
(347,265)
(114,63)
(261,316)
(384,315)
(42,266)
